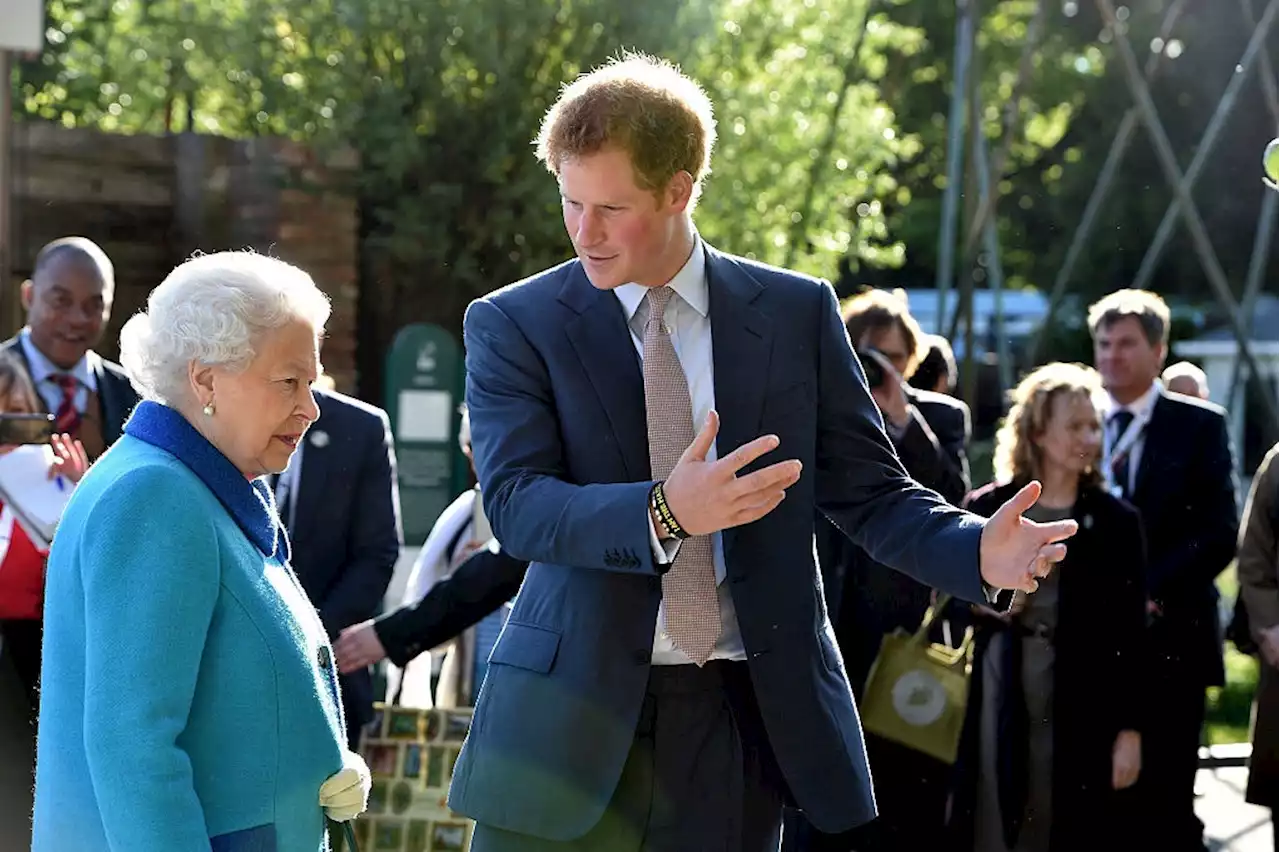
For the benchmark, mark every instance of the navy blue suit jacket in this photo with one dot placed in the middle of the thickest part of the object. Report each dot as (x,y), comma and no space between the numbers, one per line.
(346,533)
(556,400)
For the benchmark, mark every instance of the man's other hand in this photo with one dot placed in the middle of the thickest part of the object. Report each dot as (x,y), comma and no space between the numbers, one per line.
(709,496)
(1016,553)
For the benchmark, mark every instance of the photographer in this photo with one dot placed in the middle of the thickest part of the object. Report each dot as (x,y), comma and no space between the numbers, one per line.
(866,600)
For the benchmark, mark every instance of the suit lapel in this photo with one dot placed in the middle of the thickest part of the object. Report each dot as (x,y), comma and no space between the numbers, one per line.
(1155,441)
(13,346)
(741,344)
(313,477)
(109,402)
(600,336)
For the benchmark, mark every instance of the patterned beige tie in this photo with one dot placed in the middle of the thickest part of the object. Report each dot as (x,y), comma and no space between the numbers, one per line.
(689,588)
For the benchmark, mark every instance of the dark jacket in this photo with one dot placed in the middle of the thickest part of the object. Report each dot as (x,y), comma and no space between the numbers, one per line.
(1185,489)
(476,588)
(346,525)
(1098,665)
(116,394)
(556,399)
(868,600)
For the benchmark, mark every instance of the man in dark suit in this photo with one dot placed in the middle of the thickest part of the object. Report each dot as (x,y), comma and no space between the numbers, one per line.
(341,504)
(68,303)
(668,677)
(1170,456)
(868,600)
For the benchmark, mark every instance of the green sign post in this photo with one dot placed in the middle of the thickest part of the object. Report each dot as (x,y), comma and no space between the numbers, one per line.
(423,392)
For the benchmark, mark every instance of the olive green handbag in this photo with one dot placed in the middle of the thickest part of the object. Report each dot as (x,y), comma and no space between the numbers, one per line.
(917,690)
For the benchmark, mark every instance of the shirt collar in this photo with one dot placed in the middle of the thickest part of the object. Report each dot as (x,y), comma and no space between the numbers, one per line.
(42,368)
(249,502)
(1140,408)
(690,284)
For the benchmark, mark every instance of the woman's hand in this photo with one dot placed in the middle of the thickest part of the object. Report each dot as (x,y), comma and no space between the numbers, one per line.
(345,794)
(69,458)
(1126,759)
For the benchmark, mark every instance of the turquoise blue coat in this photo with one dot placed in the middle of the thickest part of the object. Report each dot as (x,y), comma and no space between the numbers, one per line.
(189,698)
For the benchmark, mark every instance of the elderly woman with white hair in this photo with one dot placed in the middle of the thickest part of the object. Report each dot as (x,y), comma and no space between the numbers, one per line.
(190,697)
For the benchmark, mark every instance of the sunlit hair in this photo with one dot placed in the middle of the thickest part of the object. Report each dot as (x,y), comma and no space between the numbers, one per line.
(880,310)
(1146,307)
(17,396)
(1017,458)
(639,104)
(214,310)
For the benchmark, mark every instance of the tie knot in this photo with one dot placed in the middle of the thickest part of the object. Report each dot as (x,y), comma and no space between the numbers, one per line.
(69,384)
(1122,419)
(658,298)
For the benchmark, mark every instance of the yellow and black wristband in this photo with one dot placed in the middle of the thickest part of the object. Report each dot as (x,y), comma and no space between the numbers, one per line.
(658,502)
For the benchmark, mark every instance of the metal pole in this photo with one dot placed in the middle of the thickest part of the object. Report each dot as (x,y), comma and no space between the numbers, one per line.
(989,195)
(955,159)
(1220,115)
(991,245)
(1253,280)
(1169,165)
(6,188)
(1119,146)
(1266,220)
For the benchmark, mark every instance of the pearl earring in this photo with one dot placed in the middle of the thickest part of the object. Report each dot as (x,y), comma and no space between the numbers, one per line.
(208,409)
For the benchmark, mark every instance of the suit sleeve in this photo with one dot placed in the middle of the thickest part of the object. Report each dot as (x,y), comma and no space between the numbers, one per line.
(862,487)
(1210,539)
(479,586)
(375,535)
(147,574)
(535,512)
(1258,557)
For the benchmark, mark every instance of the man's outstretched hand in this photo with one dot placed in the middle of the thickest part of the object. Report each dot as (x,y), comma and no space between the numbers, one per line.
(709,496)
(1017,553)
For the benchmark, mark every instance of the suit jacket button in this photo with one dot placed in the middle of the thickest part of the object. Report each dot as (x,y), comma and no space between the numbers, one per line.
(641,657)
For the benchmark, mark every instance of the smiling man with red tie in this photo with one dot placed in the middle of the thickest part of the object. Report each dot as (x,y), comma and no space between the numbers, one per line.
(68,303)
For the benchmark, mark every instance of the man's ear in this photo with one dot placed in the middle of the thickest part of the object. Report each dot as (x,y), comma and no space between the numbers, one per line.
(27,292)
(679,191)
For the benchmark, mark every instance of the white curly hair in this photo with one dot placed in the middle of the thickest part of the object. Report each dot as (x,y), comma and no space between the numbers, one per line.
(213,309)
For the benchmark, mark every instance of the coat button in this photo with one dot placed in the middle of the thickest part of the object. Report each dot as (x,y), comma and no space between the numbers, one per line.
(641,657)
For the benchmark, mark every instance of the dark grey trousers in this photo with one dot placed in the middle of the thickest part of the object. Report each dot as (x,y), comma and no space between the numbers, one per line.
(700,776)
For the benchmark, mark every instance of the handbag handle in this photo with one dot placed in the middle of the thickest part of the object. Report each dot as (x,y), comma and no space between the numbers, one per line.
(949,656)
(930,614)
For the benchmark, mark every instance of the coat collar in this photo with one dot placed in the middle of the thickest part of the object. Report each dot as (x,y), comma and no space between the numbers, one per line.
(250,503)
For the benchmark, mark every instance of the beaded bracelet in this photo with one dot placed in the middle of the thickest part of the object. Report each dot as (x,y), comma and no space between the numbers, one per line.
(658,502)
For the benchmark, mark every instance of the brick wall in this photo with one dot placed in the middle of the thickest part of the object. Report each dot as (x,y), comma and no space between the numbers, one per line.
(152,201)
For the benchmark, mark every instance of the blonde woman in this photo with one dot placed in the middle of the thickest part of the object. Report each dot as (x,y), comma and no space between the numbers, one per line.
(1054,702)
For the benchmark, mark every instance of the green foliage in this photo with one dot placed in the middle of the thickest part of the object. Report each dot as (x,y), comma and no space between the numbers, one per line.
(833,124)
(806,141)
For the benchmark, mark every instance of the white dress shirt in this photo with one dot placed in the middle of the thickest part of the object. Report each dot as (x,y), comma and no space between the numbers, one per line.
(1141,409)
(44,371)
(690,323)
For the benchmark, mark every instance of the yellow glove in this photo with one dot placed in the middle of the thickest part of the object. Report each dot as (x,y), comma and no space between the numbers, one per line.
(345,794)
